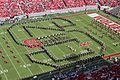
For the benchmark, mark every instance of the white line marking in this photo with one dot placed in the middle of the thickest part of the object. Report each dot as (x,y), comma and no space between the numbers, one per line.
(11,62)
(17,51)
(29,52)
(21,57)
(4,73)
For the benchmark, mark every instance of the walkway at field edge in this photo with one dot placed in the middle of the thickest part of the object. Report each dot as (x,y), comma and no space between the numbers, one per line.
(111,55)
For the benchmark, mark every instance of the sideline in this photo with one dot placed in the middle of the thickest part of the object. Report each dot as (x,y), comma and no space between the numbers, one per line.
(75,15)
(111,55)
(90,13)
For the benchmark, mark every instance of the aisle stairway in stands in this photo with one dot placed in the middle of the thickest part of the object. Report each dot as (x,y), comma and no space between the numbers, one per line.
(20,7)
(85,2)
(91,2)
(115,10)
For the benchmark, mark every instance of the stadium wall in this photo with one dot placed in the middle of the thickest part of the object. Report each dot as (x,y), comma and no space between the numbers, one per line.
(75,9)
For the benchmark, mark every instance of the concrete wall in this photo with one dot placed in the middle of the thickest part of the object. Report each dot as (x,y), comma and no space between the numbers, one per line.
(76,9)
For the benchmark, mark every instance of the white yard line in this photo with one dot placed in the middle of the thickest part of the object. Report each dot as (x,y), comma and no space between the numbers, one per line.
(28,50)
(4,72)
(38,49)
(82,40)
(57,46)
(109,41)
(36,36)
(62,51)
(19,54)
(50,50)
(11,62)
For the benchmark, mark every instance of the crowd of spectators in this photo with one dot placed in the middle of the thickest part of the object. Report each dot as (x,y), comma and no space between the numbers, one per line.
(31,6)
(110,3)
(53,4)
(105,72)
(74,3)
(91,2)
(10,8)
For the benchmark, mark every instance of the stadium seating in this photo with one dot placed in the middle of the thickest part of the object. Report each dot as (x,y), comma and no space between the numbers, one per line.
(115,11)
(31,6)
(91,2)
(111,3)
(53,4)
(74,3)
(114,3)
(105,73)
(9,8)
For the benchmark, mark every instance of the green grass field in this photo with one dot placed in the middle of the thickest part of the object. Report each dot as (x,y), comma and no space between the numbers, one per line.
(13,70)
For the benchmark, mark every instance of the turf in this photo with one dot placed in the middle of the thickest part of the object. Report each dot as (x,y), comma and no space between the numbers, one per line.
(13,70)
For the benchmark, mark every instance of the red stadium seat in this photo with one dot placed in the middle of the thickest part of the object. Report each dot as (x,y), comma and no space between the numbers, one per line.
(74,3)
(9,8)
(111,3)
(91,2)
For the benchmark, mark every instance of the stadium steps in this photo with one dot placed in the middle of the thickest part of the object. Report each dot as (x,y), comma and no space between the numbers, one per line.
(85,2)
(64,3)
(20,8)
(99,3)
(44,6)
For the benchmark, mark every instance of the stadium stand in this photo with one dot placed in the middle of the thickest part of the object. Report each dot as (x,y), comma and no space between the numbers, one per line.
(105,73)
(74,3)
(53,4)
(110,3)
(31,6)
(91,2)
(10,8)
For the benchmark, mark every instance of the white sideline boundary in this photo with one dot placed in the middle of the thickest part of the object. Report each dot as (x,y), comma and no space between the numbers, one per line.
(50,50)
(4,73)
(22,58)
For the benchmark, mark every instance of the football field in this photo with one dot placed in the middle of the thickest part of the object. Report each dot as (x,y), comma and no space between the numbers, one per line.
(14,64)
